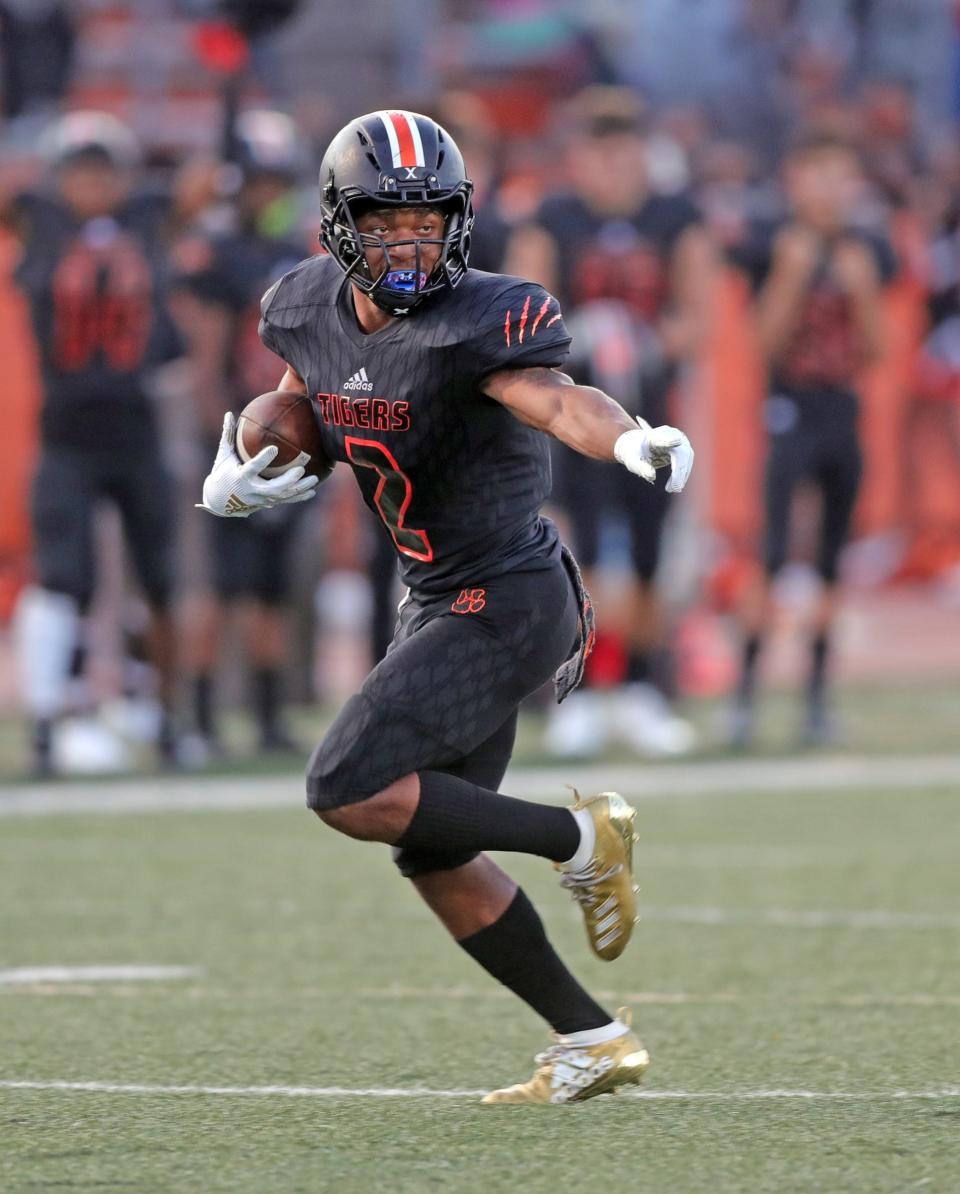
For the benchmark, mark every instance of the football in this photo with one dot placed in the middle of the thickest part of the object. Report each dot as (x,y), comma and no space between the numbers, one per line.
(287,421)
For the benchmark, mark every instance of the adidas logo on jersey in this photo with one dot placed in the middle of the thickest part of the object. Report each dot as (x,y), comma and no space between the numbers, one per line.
(359,381)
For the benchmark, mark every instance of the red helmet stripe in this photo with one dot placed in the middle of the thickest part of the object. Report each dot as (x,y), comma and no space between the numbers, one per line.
(408,140)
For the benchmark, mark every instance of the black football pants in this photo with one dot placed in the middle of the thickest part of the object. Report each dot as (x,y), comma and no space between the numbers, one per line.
(445,696)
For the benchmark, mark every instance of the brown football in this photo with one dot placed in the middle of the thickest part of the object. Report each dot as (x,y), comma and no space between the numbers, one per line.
(286,420)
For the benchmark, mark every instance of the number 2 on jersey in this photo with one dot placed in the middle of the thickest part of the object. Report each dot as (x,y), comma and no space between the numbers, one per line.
(393,495)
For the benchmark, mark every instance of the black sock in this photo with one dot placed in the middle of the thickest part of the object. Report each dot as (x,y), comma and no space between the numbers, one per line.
(203,705)
(41,745)
(638,667)
(454,814)
(748,668)
(516,952)
(663,671)
(819,655)
(266,698)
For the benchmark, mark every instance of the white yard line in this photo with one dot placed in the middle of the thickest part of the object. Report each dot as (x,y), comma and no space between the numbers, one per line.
(28,975)
(800,918)
(642,781)
(387,1092)
(474,994)
(657,998)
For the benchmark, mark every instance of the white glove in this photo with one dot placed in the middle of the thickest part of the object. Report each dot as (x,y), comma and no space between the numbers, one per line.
(648,448)
(233,489)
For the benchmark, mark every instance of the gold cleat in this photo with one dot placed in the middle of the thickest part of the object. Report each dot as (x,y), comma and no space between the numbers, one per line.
(604,888)
(573,1073)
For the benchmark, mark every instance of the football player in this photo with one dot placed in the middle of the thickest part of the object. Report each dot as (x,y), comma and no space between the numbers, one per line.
(632,269)
(819,279)
(222,279)
(435,383)
(93,270)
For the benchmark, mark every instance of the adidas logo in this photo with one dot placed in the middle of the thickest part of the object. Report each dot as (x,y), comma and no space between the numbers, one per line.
(234,505)
(359,381)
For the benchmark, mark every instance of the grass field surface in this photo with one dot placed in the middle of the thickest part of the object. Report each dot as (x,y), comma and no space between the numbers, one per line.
(795,979)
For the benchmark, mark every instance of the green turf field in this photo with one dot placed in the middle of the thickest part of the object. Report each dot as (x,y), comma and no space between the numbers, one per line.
(795,981)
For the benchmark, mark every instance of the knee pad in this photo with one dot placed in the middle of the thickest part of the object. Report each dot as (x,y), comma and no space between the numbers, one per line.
(412,863)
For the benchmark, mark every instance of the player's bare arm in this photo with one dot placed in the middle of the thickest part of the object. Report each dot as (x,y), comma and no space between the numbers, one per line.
(583,417)
(854,268)
(591,422)
(16,177)
(692,273)
(796,252)
(207,329)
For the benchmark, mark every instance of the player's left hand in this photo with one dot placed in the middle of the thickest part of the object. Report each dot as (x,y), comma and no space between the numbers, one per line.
(648,448)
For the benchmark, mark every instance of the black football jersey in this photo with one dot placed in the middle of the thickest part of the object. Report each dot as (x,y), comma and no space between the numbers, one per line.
(233,271)
(97,292)
(457,480)
(824,349)
(624,258)
(614,281)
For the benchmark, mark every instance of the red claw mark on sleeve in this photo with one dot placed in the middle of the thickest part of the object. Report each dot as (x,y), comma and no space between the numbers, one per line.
(523,318)
(540,315)
(551,322)
(506,329)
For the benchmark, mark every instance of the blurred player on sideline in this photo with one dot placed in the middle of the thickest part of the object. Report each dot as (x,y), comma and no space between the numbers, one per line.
(434,382)
(633,271)
(222,280)
(818,279)
(93,270)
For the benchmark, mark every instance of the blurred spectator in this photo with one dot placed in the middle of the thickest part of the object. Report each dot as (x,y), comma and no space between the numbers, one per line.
(729,192)
(632,271)
(36,54)
(890,139)
(94,273)
(467,120)
(223,277)
(818,278)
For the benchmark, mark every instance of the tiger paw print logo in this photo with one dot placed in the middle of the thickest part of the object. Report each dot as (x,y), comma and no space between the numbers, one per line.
(470,601)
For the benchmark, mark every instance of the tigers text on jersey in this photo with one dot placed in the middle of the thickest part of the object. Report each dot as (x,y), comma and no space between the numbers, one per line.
(456,478)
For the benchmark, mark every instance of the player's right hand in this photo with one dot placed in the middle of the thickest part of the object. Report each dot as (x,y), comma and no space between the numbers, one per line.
(646,448)
(234,489)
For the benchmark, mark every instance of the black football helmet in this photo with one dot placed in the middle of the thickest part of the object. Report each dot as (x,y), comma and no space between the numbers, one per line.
(395,159)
